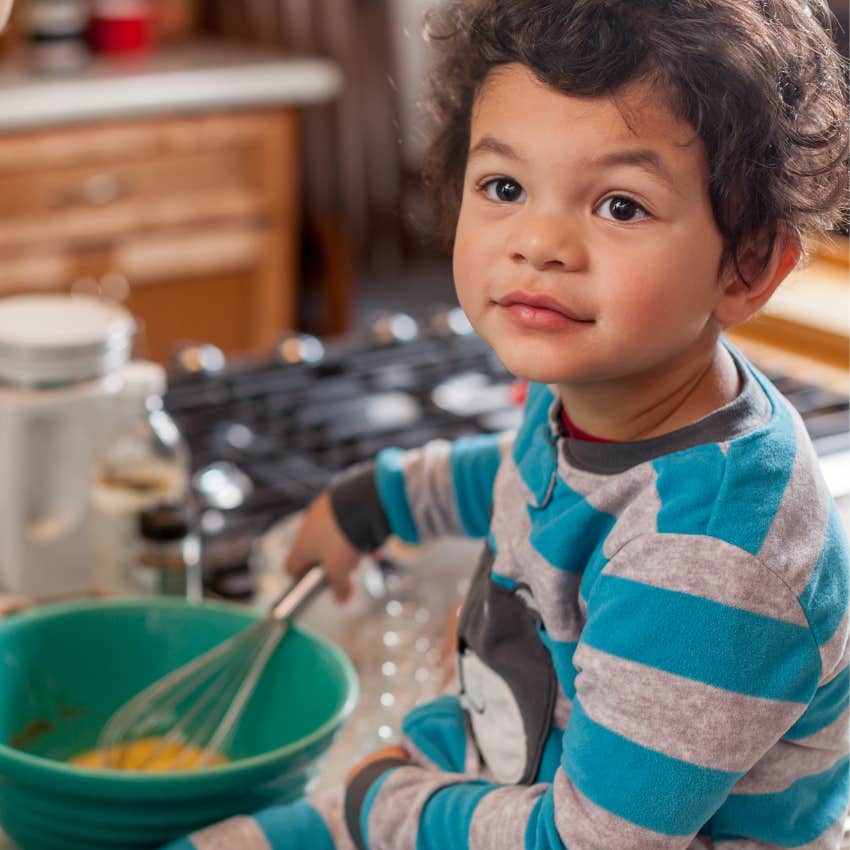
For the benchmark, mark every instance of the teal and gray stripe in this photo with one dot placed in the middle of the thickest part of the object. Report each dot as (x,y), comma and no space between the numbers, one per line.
(500,819)
(679,717)
(393,817)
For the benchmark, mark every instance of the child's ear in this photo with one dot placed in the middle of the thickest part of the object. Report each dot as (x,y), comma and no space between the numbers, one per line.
(739,301)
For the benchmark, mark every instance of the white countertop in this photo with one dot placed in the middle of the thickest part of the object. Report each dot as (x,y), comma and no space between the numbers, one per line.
(201,75)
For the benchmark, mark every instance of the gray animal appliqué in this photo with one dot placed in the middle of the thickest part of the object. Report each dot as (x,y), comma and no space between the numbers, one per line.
(508,683)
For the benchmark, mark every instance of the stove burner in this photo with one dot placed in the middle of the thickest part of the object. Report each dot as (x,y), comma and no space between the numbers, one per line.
(473,394)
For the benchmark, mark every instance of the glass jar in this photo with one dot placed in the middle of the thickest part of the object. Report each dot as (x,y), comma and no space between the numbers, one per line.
(145,464)
(168,557)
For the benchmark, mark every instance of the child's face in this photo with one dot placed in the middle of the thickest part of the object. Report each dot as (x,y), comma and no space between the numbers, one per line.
(585,251)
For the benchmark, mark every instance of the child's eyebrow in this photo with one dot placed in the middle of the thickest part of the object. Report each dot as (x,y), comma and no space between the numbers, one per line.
(488,144)
(644,158)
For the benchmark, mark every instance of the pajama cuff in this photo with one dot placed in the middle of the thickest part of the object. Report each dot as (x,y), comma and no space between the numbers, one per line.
(357,508)
(355,795)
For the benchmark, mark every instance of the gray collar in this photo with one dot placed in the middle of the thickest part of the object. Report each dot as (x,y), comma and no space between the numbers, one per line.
(750,410)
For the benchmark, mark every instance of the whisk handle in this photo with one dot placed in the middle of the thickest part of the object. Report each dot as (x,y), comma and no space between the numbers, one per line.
(298,594)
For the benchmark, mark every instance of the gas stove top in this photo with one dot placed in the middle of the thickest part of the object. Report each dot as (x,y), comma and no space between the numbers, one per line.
(267,435)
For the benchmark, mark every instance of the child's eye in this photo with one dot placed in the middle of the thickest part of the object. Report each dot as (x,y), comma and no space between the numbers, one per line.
(503,189)
(621,208)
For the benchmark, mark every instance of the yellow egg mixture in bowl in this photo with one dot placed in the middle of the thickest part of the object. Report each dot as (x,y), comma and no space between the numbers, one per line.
(65,668)
(154,753)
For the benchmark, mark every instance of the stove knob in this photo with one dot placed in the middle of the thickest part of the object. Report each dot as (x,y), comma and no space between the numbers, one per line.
(299,348)
(451,322)
(222,485)
(198,358)
(389,328)
(239,436)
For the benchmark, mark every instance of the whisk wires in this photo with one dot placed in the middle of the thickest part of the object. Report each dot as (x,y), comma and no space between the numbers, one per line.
(183,707)
(189,716)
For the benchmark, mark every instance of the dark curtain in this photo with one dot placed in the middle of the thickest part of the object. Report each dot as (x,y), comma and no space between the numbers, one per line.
(353,163)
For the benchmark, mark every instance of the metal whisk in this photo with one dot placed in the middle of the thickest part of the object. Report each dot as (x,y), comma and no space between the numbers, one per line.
(196,707)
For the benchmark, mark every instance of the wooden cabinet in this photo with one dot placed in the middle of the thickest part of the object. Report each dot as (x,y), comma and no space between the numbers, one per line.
(198,214)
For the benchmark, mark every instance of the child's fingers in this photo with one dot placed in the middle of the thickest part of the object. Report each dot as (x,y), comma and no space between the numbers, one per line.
(339,577)
(306,548)
(319,541)
(339,561)
(299,559)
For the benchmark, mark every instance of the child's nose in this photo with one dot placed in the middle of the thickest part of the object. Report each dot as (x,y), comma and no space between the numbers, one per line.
(547,241)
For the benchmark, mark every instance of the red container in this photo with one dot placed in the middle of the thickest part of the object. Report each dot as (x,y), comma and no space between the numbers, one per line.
(121,26)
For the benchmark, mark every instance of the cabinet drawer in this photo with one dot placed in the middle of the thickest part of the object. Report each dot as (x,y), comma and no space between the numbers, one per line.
(48,270)
(97,182)
(230,284)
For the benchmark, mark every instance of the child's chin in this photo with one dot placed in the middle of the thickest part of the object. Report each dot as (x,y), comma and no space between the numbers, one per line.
(532,369)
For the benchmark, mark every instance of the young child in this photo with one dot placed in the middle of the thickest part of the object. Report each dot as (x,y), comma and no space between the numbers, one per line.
(654,650)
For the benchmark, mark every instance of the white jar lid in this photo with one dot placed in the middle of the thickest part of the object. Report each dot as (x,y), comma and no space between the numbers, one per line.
(57,17)
(61,339)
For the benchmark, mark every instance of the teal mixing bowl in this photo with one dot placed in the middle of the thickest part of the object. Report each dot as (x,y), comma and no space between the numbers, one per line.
(65,668)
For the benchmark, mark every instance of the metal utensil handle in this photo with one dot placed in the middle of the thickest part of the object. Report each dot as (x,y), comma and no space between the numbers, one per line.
(298,594)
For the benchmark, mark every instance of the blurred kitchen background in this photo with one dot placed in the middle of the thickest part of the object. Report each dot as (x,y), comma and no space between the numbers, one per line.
(303,206)
(243,177)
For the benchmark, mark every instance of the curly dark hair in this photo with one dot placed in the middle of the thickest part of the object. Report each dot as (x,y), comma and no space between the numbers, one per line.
(760,81)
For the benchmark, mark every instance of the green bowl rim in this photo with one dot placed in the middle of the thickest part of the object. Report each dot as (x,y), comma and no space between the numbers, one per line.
(178,777)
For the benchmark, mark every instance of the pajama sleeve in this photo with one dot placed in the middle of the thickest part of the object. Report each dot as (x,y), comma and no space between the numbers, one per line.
(443,488)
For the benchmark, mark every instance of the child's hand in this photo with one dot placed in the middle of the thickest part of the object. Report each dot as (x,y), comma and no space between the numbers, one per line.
(392,752)
(320,541)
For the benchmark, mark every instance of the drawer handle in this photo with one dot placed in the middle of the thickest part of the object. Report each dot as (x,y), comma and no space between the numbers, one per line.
(102,189)
(115,287)
(112,286)
(85,286)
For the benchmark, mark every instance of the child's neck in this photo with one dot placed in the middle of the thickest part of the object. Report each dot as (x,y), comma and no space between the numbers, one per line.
(651,405)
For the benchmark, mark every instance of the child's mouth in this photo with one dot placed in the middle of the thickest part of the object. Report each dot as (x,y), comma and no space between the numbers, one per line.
(540,312)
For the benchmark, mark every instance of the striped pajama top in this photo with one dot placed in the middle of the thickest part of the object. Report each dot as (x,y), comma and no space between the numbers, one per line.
(654,650)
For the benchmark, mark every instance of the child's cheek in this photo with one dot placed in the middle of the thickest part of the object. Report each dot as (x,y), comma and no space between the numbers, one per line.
(469,267)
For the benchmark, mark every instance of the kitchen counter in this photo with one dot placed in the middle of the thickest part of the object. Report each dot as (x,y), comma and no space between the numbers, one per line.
(203,75)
